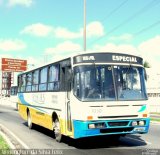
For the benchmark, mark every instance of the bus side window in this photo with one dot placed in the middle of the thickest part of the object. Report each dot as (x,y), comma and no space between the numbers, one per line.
(53,77)
(23,83)
(19,83)
(28,82)
(43,79)
(35,80)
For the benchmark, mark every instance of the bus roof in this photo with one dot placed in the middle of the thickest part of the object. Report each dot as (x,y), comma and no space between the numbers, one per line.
(90,56)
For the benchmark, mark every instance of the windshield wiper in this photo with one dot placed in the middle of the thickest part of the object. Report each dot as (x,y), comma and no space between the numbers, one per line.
(128,70)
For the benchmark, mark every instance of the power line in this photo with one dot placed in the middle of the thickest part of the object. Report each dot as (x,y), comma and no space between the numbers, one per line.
(141,11)
(115,10)
(147,28)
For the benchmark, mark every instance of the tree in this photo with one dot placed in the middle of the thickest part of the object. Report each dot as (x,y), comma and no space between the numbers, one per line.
(146,64)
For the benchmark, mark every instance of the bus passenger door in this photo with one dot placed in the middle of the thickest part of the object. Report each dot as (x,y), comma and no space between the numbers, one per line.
(67,86)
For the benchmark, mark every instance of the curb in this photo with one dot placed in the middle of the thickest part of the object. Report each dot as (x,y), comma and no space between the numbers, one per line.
(13,141)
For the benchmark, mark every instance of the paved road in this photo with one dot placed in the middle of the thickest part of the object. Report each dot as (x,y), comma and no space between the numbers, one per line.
(40,138)
(155,116)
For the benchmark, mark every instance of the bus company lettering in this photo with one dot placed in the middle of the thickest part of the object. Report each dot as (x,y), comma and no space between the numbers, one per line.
(86,58)
(54,99)
(124,58)
(40,99)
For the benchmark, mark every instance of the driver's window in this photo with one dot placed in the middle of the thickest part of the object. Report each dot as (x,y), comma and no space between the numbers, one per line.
(76,85)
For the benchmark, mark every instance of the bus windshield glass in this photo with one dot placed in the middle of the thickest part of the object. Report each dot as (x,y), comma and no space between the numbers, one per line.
(109,83)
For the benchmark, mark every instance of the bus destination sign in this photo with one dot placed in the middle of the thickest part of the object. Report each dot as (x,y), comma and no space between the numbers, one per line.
(107,58)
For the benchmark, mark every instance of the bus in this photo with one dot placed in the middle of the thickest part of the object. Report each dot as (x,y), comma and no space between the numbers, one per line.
(13,95)
(88,94)
(13,90)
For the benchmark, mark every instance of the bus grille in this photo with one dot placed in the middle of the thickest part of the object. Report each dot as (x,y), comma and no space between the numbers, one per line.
(113,130)
(125,123)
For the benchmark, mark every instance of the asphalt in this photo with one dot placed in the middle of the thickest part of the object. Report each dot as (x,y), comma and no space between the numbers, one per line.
(13,141)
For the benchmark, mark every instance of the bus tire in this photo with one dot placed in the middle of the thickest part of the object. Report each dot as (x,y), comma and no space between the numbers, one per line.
(57,131)
(29,121)
(17,106)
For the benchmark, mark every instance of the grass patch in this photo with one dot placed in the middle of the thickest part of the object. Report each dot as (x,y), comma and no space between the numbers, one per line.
(155,119)
(3,144)
(156,113)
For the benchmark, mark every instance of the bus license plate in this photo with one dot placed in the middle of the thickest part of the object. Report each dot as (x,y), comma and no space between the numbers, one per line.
(139,129)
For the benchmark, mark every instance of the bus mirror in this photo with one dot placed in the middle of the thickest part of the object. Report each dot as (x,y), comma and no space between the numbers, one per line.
(145,74)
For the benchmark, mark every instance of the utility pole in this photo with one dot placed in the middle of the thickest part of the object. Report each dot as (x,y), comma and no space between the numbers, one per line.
(84,29)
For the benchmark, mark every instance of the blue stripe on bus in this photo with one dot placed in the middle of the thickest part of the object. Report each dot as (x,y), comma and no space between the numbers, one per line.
(143,108)
(81,128)
(22,100)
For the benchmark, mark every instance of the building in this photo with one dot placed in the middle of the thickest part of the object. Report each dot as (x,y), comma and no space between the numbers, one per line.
(153,82)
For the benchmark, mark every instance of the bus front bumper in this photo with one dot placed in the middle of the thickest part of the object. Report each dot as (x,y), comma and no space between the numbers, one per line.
(110,127)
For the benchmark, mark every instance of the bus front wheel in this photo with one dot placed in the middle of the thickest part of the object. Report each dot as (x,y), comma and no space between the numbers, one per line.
(57,131)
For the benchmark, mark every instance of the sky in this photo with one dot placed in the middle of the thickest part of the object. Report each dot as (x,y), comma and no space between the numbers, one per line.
(45,30)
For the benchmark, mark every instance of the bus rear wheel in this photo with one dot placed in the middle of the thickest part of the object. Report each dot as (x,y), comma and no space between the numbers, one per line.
(57,131)
(29,121)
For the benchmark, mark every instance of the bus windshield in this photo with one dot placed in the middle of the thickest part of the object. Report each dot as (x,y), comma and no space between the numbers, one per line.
(106,82)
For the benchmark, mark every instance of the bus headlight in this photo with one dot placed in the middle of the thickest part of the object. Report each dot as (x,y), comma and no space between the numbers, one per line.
(91,126)
(141,123)
(97,125)
(134,123)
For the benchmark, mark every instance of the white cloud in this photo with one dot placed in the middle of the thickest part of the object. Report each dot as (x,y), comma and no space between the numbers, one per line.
(38,29)
(41,30)
(123,37)
(66,34)
(95,29)
(148,50)
(26,3)
(32,62)
(5,56)
(63,49)
(110,47)
(151,46)
(66,46)
(12,45)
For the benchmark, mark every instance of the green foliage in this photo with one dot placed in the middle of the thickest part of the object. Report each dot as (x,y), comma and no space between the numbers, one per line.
(3,144)
(155,119)
(146,64)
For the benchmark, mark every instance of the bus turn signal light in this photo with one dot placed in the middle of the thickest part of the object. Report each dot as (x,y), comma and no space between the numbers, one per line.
(144,115)
(89,117)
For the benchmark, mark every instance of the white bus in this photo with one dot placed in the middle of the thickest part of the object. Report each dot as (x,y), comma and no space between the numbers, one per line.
(89,94)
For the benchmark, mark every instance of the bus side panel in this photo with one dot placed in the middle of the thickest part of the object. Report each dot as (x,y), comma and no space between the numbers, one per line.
(37,117)
(48,122)
(22,111)
(41,112)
